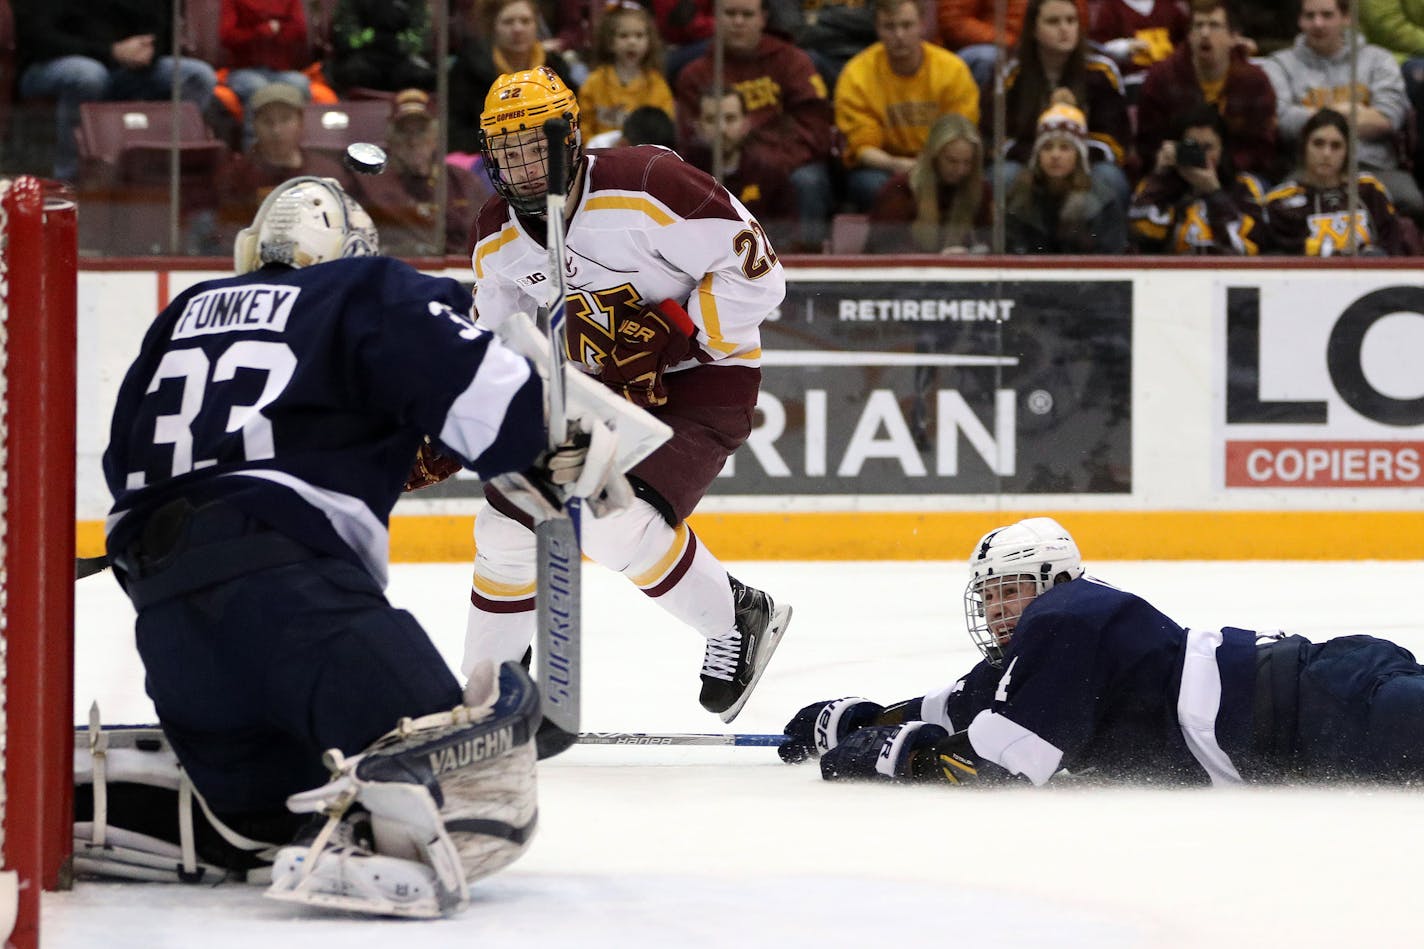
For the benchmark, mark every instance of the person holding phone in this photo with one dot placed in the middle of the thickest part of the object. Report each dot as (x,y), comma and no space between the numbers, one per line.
(1194,201)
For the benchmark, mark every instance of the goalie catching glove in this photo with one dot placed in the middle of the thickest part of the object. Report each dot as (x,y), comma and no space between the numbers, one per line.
(643,348)
(915,751)
(585,466)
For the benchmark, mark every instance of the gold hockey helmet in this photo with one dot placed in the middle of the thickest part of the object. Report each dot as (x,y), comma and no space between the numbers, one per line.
(511,135)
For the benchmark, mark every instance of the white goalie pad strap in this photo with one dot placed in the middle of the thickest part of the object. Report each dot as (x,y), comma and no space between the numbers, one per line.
(639,433)
(129,855)
(105,847)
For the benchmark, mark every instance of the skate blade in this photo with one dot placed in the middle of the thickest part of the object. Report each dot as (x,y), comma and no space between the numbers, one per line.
(780,619)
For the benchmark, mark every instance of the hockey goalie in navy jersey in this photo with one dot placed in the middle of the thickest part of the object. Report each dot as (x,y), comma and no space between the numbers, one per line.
(258,444)
(669,280)
(1083,679)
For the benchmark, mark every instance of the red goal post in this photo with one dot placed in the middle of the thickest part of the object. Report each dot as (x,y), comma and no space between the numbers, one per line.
(38,306)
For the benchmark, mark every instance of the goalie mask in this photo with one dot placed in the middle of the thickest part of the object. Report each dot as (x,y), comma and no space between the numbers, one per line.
(305,221)
(1011,566)
(511,135)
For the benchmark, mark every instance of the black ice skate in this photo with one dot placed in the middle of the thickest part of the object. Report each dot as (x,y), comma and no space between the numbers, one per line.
(733,664)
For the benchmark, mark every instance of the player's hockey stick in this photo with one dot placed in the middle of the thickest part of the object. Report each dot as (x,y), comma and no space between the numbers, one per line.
(680,738)
(558,602)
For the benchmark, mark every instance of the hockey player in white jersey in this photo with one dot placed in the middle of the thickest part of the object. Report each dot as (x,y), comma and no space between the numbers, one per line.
(669,281)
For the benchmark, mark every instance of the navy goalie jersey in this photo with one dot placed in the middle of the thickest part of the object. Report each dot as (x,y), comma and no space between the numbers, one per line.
(301,397)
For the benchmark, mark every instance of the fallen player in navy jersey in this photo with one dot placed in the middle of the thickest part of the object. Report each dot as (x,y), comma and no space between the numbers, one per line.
(1080,678)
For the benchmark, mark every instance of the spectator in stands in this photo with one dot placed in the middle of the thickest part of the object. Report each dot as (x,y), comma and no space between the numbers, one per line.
(748,172)
(944,204)
(628,70)
(687,27)
(786,103)
(889,95)
(1138,34)
(381,44)
(276,155)
(507,41)
(1398,26)
(1309,213)
(831,32)
(1054,205)
(1054,58)
(645,125)
(1315,74)
(1211,68)
(967,27)
(402,199)
(265,41)
(1193,201)
(77,51)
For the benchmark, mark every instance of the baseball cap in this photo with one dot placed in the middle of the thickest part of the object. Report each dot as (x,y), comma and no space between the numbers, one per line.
(411,104)
(274,93)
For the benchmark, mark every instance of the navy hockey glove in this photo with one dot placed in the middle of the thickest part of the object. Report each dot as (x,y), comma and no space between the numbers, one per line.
(431,466)
(643,347)
(820,726)
(884,753)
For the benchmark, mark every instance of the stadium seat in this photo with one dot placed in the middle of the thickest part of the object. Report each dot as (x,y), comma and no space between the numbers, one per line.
(849,232)
(124,163)
(328,129)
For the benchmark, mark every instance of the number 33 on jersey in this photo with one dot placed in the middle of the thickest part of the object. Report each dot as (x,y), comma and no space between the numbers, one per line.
(647,227)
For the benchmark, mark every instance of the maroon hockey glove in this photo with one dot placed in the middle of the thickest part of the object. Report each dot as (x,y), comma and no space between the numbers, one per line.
(643,347)
(431,466)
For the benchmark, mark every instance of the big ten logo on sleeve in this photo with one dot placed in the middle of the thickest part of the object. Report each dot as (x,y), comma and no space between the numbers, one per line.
(1322,387)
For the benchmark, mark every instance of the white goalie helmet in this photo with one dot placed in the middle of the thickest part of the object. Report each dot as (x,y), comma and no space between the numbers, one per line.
(305,221)
(1008,568)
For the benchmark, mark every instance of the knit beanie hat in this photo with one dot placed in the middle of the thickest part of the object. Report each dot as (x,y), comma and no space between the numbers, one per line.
(1066,121)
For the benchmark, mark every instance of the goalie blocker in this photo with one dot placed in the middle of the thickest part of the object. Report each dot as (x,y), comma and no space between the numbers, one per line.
(401,829)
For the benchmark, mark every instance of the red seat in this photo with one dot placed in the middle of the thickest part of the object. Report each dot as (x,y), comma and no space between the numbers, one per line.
(124,172)
(130,141)
(849,233)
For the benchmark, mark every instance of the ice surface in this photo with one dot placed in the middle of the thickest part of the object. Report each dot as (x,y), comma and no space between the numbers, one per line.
(696,848)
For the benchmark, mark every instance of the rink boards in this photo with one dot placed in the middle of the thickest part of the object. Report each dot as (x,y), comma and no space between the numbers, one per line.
(1191,412)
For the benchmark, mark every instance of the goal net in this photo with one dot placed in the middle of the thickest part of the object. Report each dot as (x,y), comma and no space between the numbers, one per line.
(38,262)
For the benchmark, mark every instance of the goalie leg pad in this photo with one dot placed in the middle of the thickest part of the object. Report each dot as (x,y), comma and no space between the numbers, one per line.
(451,799)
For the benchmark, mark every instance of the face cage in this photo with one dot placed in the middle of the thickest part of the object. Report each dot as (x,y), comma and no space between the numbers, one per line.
(976,618)
(533,202)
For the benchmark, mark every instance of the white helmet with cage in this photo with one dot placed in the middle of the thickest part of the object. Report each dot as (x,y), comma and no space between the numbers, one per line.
(305,221)
(1009,567)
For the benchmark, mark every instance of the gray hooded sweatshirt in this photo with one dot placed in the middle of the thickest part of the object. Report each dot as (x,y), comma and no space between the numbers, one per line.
(1304,80)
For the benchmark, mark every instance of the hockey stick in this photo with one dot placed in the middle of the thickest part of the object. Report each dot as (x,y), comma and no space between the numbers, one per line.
(680,738)
(88,566)
(558,600)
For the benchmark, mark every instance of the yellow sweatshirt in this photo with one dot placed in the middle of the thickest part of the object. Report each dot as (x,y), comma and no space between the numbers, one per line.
(876,107)
(604,100)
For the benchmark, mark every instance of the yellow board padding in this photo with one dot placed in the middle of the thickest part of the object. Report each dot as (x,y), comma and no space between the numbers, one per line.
(948,535)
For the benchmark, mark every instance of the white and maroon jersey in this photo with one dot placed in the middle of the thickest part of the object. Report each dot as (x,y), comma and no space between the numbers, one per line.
(648,227)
